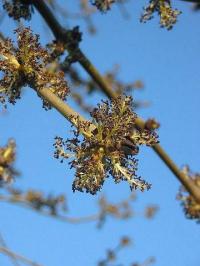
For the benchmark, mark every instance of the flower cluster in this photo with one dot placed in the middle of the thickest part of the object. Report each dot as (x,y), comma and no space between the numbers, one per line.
(168,16)
(18,9)
(7,157)
(190,205)
(103,5)
(109,149)
(38,201)
(28,64)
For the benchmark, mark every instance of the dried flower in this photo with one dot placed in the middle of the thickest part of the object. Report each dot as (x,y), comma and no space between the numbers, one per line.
(191,207)
(28,64)
(168,16)
(109,149)
(103,5)
(18,9)
(7,157)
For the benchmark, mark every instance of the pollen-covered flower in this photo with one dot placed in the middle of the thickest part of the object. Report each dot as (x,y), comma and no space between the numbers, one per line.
(109,149)
(18,9)
(190,205)
(12,81)
(168,16)
(103,5)
(7,157)
(28,64)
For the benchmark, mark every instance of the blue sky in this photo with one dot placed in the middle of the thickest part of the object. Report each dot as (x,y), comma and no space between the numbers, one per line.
(168,64)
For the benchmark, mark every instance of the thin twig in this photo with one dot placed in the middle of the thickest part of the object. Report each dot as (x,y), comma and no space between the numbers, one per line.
(105,209)
(26,204)
(21,258)
(12,258)
(60,34)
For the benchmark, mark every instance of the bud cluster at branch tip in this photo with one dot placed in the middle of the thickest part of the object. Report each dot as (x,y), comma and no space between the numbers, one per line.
(168,16)
(110,149)
(28,64)
(103,5)
(7,157)
(18,9)
(190,205)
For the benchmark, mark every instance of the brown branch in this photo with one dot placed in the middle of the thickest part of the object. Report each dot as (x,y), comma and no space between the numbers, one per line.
(64,109)
(60,106)
(12,258)
(21,258)
(26,204)
(120,210)
(60,34)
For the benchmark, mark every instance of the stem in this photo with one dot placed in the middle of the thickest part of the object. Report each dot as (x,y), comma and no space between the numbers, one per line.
(64,109)
(12,258)
(22,202)
(60,33)
(189,184)
(10,253)
(73,220)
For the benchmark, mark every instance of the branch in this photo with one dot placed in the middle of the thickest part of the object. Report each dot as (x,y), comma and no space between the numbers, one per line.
(63,108)
(74,220)
(120,210)
(12,254)
(12,258)
(61,34)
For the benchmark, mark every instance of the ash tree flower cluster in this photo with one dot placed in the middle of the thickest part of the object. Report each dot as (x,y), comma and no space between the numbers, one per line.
(18,9)
(7,158)
(190,205)
(110,141)
(103,5)
(168,16)
(109,149)
(28,64)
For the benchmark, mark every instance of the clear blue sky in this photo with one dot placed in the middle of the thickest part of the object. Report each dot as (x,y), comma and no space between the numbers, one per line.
(168,62)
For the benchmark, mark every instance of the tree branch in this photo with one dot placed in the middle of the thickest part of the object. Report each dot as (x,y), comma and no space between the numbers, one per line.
(21,258)
(74,220)
(60,33)
(64,109)
(120,210)
(12,258)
